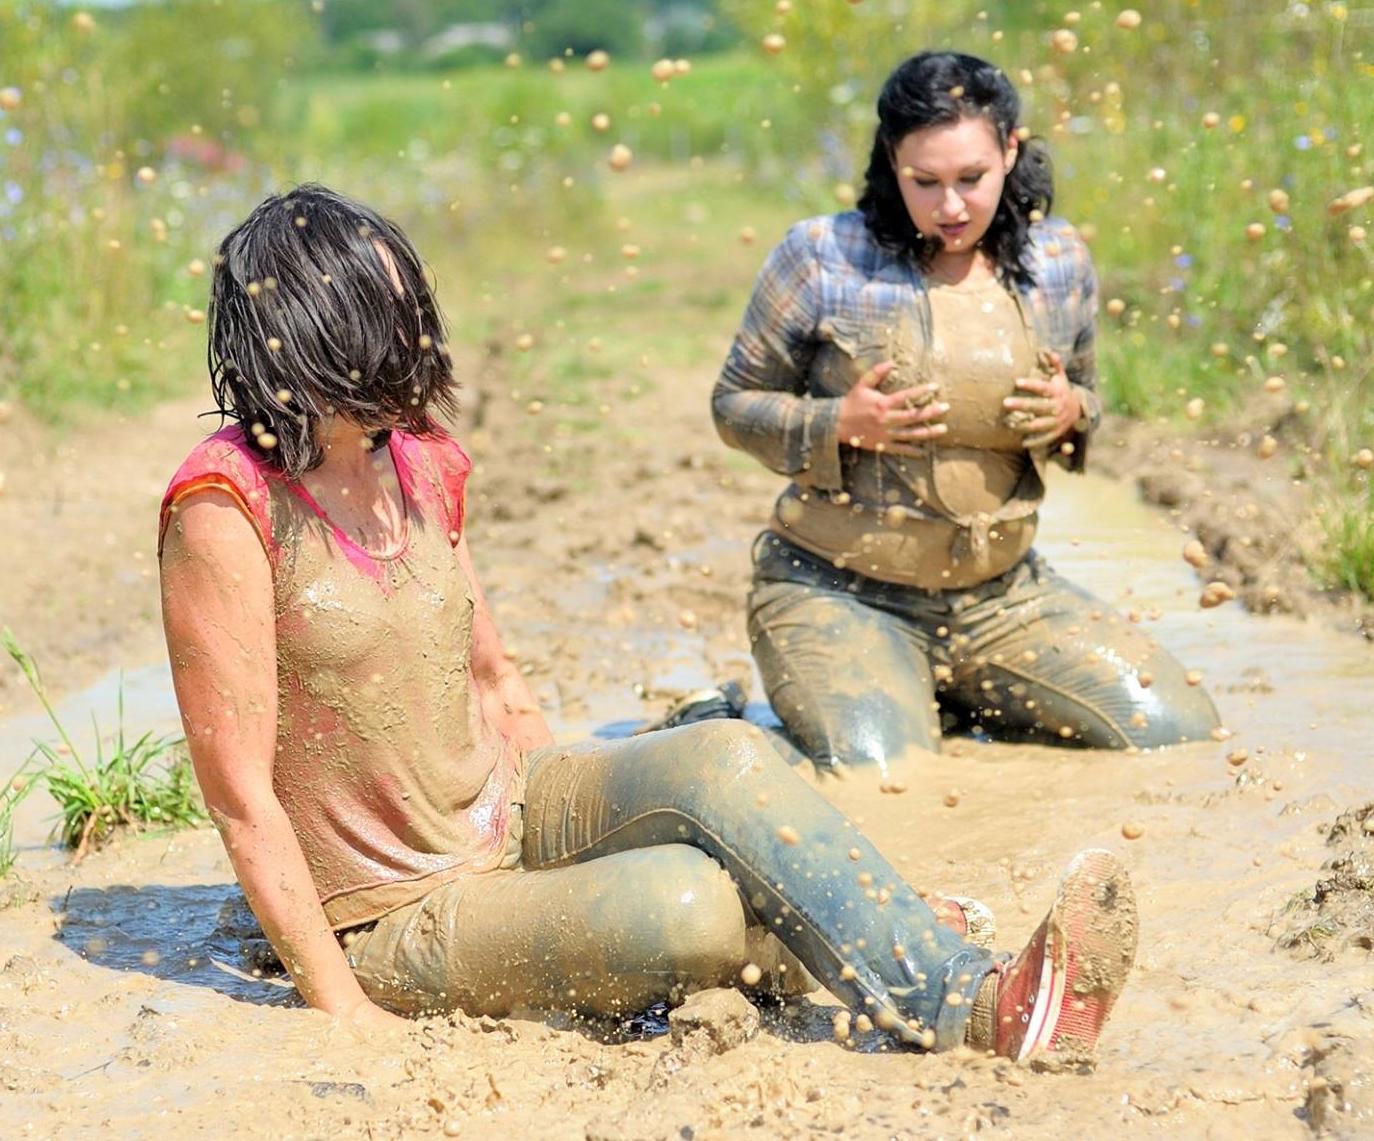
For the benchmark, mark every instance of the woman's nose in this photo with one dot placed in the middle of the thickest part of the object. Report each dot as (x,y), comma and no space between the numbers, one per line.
(952,205)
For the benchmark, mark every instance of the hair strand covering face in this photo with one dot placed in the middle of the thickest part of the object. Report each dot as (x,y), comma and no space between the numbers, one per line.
(938,88)
(306,322)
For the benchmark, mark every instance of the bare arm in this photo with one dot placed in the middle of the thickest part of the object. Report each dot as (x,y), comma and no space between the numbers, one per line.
(217,609)
(506,697)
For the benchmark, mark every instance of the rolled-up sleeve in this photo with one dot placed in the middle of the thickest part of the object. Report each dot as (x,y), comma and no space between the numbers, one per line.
(1081,365)
(761,403)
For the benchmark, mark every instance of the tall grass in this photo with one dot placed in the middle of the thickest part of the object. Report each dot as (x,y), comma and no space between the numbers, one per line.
(1199,150)
(145,782)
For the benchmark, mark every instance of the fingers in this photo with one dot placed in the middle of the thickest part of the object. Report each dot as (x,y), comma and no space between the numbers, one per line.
(916,394)
(904,417)
(1042,405)
(875,376)
(1035,384)
(915,435)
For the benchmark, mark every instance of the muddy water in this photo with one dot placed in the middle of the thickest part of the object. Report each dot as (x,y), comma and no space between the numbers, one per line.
(127,1005)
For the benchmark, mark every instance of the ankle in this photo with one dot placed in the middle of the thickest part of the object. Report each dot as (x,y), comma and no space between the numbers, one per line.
(981,1032)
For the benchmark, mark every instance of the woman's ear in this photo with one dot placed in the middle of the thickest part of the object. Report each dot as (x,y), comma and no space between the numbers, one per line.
(1009,155)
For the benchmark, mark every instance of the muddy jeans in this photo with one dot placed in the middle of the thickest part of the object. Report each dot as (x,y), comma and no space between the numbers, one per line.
(655,865)
(859,670)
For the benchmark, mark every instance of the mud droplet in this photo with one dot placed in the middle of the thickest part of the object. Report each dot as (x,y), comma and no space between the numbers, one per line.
(598,60)
(687,619)
(1237,757)
(1214,594)
(751,974)
(1193,409)
(1195,554)
(1267,447)
(1364,458)
(952,798)
(10,98)
(524,342)
(662,71)
(1132,831)
(1193,677)
(621,157)
(788,835)
(1064,41)
(773,43)
(1128,18)
(1350,200)
(1254,231)
(146,175)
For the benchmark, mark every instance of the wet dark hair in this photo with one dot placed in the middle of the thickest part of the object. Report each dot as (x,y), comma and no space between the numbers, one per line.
(306,321)
(924,91)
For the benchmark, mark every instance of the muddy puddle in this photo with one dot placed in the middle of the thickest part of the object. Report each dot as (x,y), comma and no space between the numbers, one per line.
(128,1004)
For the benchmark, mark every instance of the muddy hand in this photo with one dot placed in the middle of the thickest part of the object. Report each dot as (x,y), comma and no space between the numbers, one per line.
(889,421)
(1047,407)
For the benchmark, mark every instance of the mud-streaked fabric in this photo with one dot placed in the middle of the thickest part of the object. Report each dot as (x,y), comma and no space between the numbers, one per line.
(860,671)
(830,303)
(666,862)
(391,775)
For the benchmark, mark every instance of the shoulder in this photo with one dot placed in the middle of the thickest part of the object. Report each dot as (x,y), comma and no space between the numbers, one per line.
(434,473)
(223,462)
(1057,248)
(832,244)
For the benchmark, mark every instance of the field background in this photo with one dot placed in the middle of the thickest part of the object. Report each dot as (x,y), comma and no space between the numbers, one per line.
(1199,148)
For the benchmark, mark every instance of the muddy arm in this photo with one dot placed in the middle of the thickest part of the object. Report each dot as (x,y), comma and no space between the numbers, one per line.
(217,606)
(760,402)
(1081,368)
(506,698)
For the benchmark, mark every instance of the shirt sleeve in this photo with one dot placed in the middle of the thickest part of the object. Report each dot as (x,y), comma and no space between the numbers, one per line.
(449,468)
(1081,367)
(223,462)
(761,404)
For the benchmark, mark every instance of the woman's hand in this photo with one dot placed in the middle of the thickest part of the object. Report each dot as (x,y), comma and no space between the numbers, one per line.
(889,421)
(367,1015)
(1050,408)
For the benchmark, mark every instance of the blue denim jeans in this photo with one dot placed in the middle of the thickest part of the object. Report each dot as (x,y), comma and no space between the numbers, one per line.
(656,864)
(859,671)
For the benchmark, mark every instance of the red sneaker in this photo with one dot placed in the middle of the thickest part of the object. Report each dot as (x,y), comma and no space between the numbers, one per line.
(1056,995)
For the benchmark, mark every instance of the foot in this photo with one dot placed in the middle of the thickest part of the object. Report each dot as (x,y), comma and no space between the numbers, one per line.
(1056,995)
(725,700)
(970,918)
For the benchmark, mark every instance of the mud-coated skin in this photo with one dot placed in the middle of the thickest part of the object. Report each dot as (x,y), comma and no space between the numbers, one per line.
(859,671)
(651,866)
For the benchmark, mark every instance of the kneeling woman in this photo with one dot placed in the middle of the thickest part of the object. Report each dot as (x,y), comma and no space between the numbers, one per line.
(402,824)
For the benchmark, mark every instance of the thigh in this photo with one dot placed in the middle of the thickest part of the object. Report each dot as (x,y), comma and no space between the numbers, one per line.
(610,935)
(1048,659)
(850,682)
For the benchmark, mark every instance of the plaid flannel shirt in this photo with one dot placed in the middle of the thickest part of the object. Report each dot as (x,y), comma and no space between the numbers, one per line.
(830,271)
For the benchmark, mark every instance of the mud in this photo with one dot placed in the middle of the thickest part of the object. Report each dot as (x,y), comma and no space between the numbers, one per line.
(1253,515)
(617,564)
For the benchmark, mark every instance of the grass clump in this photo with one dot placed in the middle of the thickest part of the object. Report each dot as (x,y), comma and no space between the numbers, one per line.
(146,782)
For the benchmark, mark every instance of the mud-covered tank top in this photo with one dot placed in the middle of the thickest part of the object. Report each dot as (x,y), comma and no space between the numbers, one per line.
(964,510)
(391,775)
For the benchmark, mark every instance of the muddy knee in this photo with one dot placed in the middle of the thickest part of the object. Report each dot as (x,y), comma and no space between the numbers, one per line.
(681,919)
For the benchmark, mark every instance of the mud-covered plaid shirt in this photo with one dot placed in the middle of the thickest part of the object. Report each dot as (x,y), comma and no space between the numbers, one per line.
(829,271)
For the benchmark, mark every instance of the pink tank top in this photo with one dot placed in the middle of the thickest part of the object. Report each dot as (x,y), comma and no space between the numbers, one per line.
(392,777)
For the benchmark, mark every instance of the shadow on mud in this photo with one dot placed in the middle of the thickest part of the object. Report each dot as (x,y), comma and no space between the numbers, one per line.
(201,935)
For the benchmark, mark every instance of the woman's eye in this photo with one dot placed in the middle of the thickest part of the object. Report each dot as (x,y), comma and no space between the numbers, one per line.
(971,179)
(925,183)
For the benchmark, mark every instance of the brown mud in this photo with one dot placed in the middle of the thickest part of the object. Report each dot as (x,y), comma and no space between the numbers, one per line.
(617,565)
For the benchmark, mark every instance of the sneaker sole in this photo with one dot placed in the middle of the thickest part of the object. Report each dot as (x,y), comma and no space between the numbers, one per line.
(1089,950)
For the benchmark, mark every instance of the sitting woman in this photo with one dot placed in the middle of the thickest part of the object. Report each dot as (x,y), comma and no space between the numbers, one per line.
(402,824)
(913,366)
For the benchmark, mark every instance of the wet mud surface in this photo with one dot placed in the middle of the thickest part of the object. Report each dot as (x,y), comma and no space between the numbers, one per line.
(617,564)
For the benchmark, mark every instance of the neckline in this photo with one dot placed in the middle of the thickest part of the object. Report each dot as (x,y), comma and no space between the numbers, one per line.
(402,544)
(985,286)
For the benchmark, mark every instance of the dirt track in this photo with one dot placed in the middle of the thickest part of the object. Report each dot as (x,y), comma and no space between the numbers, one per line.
(617,565)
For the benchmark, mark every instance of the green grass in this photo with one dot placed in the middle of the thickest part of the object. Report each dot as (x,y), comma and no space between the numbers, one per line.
(146,782)
(481,171)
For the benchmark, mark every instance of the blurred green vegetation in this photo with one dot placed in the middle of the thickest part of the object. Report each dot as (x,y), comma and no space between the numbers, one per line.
(1199,150)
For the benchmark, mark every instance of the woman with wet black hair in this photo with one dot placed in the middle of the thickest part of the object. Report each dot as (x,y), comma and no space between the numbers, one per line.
(402,824)
(913,366)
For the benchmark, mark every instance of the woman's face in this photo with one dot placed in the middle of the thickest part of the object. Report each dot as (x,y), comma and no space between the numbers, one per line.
(951,178)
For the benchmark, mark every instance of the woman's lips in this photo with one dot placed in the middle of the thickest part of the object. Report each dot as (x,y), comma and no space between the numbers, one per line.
(953,229)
